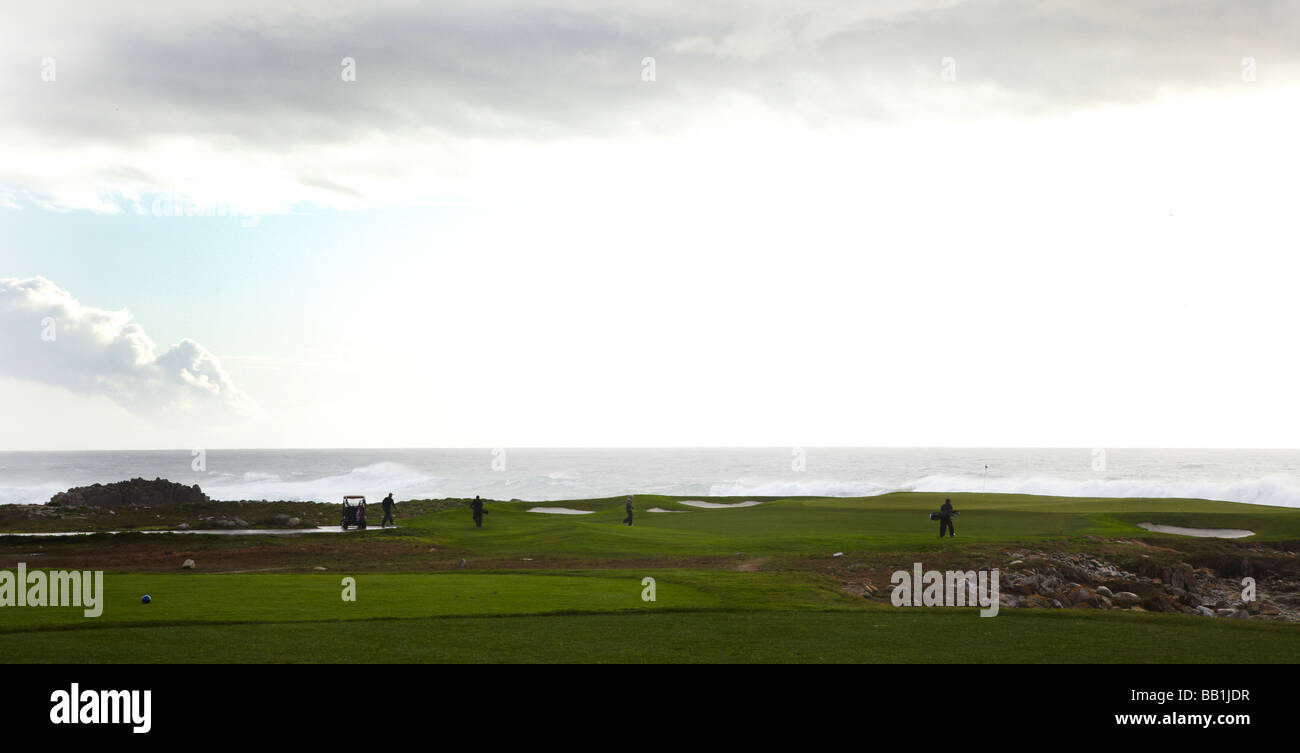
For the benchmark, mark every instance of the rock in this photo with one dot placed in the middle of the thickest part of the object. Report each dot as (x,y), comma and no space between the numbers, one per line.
(183,527)
(1103,591)
(1234,614)
(462,563)
(1204,611)
(1180,576)
(223,523)
(1127,598)
(1083,596)
(318,567)
(134,492)
(188,564)
(838,554)
(295,522)
(1016,562)
(240,522)
(280,519)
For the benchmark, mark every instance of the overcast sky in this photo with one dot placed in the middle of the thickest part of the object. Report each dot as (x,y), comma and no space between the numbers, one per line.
(662,223)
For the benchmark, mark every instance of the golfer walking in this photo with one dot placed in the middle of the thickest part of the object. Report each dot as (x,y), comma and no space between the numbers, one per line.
(628,520)
(945,518)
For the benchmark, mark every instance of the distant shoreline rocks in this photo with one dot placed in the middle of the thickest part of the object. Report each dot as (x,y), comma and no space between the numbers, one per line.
(136,491)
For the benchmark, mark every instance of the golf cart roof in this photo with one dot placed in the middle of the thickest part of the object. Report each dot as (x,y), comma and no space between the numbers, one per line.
(354,496)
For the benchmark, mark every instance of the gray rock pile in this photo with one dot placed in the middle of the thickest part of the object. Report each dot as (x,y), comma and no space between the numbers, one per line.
(136,491)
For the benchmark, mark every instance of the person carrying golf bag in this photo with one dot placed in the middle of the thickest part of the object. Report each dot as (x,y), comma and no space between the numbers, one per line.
(945,518)
(477,508)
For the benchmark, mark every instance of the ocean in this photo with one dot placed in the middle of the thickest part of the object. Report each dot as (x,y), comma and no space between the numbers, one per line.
(1267,477)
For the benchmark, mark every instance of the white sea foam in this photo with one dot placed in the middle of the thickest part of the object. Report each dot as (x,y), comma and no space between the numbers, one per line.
(31,495)
(1269,490)
(376,479)
(1268,477)
(809,488)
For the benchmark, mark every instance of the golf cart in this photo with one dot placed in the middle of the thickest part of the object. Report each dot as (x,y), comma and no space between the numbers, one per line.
(354,511)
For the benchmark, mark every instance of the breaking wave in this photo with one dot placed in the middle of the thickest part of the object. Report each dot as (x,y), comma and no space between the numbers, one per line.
(377,480)
(1279,491)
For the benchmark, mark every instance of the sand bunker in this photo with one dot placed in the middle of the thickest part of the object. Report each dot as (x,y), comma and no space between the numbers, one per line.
(1206,533)
(660,509)
(717,505)
(560,511)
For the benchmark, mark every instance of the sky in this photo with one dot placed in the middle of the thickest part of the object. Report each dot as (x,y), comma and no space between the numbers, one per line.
(494,224)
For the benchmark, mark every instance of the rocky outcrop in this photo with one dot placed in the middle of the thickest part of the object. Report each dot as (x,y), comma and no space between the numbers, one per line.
(1059,580)
(136,491)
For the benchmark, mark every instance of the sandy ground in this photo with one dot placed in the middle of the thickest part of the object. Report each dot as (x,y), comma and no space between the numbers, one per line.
(1205,533)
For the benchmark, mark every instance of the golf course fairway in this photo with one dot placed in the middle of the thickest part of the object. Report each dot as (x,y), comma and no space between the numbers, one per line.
(784,580)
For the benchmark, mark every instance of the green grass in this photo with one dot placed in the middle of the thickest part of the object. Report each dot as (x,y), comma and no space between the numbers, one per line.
(194,598)
(821,526)
(865,635)
(592,609)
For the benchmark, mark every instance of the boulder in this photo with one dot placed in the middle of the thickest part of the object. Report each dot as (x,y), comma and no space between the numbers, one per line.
(1180,576)
(188,564)
(1204,611)
(1127,598)
(183,527)
(295,522)
(1233,614)
(1103,591)
(134,492)
(1083,596)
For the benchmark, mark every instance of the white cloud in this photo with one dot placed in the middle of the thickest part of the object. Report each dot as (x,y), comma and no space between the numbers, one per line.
(49,337)
(243,103)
